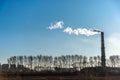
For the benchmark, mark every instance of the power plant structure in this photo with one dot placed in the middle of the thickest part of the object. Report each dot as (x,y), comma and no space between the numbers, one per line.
(103,60)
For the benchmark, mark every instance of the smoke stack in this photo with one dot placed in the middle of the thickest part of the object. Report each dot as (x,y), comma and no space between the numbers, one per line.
(103,60)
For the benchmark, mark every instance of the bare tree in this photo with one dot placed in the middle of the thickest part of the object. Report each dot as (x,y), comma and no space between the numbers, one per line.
(30,61)
(99,60)
(25,61)
(80,61)
(84,61)
(91,61)
(95,61)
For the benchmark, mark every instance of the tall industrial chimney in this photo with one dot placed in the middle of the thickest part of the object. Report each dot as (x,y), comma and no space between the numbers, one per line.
(103,60)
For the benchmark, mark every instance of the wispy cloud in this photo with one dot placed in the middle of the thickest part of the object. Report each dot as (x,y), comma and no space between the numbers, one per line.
(57,25)
(79,31)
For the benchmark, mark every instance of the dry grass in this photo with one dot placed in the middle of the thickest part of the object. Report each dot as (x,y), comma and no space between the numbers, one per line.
(59,78)
(63,78)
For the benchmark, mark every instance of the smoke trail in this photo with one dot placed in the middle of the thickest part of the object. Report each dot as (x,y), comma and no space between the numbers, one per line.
(57,25)
(81,31)
(69,30)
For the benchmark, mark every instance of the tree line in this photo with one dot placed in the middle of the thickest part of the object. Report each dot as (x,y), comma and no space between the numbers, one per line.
(41,62)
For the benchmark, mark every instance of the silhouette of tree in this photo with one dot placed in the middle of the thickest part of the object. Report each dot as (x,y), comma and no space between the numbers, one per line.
(91,61)
(30,61)
(84,61)
(95,61)
(25,61)
(99,60)
(78,62)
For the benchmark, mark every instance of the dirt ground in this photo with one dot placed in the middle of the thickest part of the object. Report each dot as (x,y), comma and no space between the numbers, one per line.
(60,78)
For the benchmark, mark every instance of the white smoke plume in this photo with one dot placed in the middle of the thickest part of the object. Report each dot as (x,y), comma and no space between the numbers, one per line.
(69,30)
(81,31)
(57,25)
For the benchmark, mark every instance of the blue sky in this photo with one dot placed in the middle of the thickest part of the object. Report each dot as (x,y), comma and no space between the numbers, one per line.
(24,27)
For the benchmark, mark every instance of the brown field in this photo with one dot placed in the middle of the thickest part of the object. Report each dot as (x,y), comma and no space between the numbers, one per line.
(80,77)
